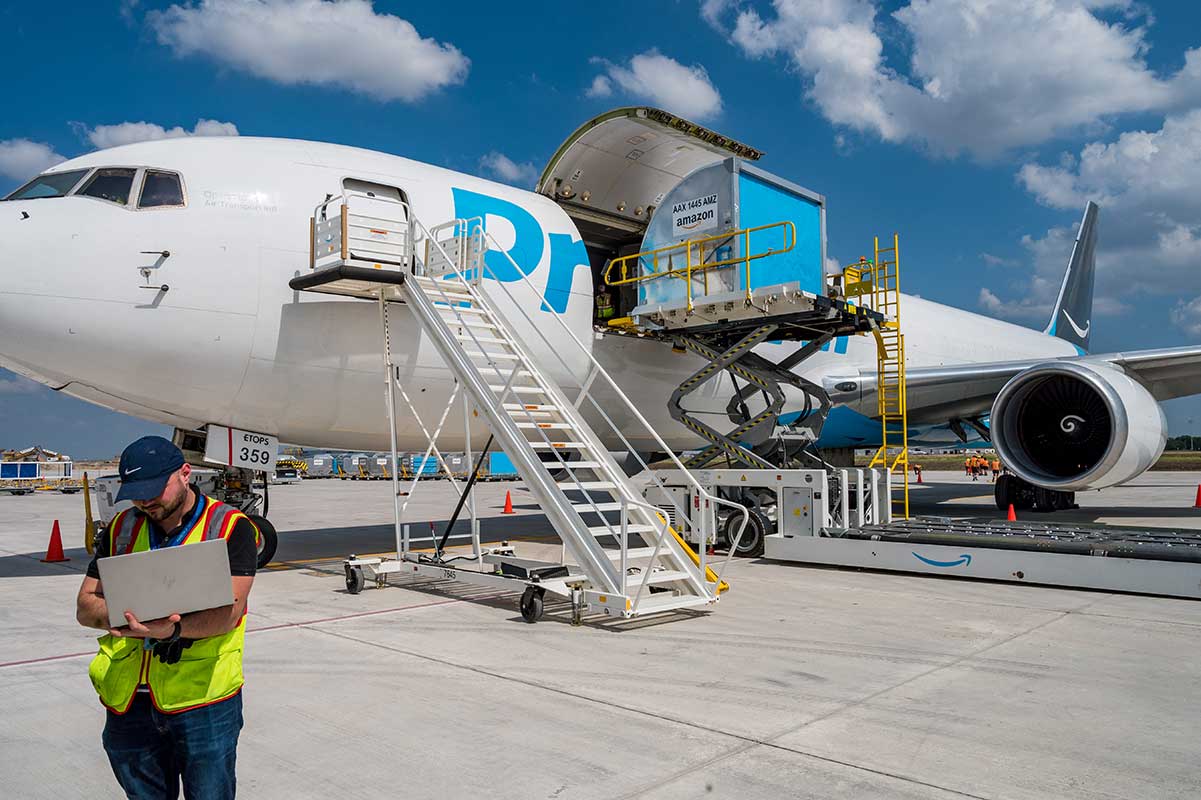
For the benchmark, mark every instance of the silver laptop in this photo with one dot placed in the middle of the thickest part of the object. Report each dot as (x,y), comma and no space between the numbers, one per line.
(172,580)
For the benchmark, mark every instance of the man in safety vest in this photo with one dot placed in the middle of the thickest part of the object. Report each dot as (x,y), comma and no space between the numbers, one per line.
(172,686)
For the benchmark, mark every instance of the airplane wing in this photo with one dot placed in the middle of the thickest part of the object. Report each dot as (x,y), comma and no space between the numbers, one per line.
(937,394)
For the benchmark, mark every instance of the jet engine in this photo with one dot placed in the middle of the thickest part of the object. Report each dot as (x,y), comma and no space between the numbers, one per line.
(1070,426)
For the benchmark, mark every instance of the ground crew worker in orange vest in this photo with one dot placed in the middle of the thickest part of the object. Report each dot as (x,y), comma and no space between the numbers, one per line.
(171,720)
(996,469)
(967,466)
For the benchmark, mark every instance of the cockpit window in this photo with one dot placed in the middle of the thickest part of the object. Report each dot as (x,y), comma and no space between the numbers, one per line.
(52,184)
(160,189)
(112,184)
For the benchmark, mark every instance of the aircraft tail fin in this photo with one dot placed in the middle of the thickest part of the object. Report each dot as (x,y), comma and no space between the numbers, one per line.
(1072,318)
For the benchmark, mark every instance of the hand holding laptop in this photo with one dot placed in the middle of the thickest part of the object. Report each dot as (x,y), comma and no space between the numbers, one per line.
(152,629)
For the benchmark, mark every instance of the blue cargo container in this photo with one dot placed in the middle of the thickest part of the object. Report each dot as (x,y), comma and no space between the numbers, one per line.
(782,218)
(500,466)
(423,466)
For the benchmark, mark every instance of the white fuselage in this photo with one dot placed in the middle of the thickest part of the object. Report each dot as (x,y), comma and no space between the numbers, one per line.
(231,343)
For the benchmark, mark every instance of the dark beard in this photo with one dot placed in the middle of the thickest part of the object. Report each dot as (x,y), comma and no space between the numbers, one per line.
(166,511)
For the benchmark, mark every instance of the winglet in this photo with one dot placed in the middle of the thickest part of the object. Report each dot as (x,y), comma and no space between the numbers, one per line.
(1073,314)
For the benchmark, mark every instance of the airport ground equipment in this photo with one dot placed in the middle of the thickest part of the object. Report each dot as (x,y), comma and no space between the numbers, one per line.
(788,502)
(844,518)
(320,466)
(422,465)
(500,467)
(620,556)
(733,259)
(1147,561)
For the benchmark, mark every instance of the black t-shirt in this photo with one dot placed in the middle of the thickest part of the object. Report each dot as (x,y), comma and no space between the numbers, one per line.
(243,554)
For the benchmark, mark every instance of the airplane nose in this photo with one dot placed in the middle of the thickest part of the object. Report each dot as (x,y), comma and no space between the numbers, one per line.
(27,324)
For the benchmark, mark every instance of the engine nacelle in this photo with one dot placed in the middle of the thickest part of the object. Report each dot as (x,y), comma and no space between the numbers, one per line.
(1073,426)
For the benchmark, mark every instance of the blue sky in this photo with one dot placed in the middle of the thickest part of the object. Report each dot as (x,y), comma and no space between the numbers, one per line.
(976,129)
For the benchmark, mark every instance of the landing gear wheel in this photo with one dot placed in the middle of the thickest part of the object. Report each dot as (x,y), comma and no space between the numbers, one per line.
(1045,500)
(268,540)
(354,579)
(1003,492)
(531,604)
(751,543)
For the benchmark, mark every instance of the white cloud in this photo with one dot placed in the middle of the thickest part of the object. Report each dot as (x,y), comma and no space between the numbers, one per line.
(1187,316)
(1149,235)
(21,159)
(601,87)
(1026,309)
(314,42)
(975,76)
(651,76)
(509,171)
(105,136)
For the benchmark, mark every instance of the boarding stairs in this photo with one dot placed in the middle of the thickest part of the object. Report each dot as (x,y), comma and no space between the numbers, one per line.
(620,554)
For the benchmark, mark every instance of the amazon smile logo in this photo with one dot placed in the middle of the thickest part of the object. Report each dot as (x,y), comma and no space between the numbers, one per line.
(963,561)
(1079,331)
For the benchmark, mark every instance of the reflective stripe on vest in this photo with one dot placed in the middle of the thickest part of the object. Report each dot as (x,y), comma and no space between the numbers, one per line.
(208,671)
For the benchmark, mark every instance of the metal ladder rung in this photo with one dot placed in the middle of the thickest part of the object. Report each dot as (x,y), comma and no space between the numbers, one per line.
(560,446)
(553,426)
(573,465)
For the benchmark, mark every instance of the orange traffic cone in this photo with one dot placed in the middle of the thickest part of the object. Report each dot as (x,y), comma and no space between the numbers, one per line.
(1197,504)
(1012,517)
(54,553)
(508,504)
(919,476)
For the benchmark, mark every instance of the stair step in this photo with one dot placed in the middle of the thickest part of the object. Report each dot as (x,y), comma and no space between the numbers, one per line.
(574,465)
(595,507)
(468,338)
(491,355)
(657,577)
(443,308)
(497,388)
(655,603)
(553,426)
(559,445)
(586,486)
(540,407)
(615,529)
(634,553)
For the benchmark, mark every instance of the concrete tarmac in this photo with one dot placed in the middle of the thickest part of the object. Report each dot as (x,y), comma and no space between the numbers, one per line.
(803,682)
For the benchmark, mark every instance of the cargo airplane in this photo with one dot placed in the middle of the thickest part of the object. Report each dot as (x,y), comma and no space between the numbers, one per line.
(153,279)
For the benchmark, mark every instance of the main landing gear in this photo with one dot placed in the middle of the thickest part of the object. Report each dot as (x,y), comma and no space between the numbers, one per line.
(1010,489)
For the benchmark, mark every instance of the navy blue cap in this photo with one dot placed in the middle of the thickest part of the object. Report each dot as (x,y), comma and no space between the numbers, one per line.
(145,467)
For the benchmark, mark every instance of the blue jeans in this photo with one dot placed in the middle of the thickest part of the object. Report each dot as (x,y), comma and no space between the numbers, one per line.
(151,752)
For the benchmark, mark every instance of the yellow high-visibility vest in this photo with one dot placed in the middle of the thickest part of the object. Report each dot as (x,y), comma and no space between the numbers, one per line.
(208,671)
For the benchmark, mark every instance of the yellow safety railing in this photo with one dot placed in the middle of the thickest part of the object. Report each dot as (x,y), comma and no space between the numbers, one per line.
(880,281)
(696,262)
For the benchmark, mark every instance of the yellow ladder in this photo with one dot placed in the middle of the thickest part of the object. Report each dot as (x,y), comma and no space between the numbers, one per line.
(893,455)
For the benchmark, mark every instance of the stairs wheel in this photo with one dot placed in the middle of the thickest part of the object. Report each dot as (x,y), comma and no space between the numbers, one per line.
(531,604)
(751,543)
(354,579)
